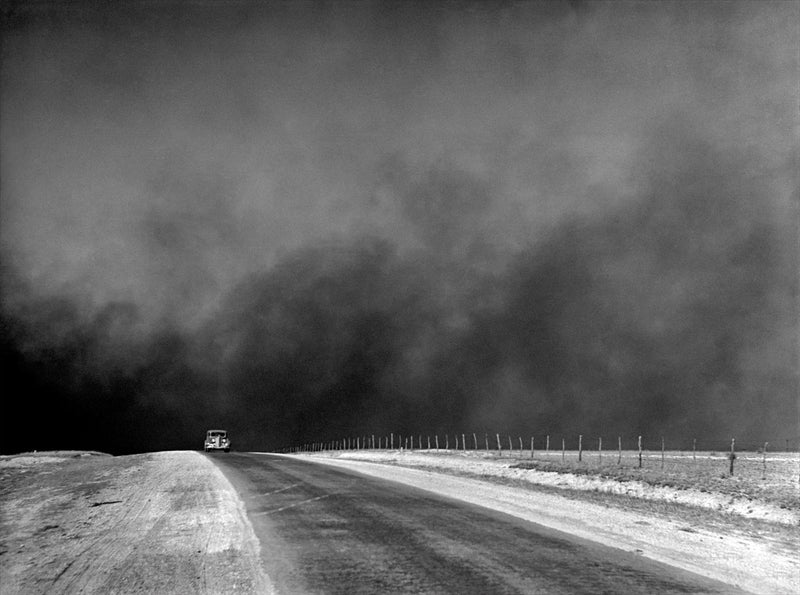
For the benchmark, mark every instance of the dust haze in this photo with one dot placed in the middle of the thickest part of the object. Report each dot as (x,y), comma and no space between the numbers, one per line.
(305,221)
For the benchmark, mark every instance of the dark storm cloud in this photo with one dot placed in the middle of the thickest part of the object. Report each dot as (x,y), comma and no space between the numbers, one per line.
(646,318)
(305,220)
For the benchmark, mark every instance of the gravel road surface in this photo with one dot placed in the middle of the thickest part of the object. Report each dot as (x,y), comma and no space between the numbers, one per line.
(329,530)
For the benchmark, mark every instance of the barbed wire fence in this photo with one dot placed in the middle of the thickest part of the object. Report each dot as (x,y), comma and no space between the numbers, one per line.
(644,452)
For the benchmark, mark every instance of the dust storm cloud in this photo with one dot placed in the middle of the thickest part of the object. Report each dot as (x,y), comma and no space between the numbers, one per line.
(306,221)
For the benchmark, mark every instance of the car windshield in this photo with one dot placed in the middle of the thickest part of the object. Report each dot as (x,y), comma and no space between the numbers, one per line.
(215,434)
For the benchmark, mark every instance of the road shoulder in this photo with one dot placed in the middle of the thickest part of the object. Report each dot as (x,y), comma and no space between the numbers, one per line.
(748,563)
(166,522)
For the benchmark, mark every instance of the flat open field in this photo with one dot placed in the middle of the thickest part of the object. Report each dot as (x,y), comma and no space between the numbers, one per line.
(774,478)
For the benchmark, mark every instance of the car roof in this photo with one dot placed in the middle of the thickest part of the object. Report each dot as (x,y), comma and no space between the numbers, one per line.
(223,431)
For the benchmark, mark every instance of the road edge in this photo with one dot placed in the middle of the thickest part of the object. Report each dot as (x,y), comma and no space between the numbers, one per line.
(733,561)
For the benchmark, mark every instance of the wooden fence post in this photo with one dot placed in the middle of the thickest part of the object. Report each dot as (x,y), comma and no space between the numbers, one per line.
(662,453)
(486,441)
(547,445)
(764,462)
(619,446)
(499,447)
(531,446)
(437,441)
(640,452)
(732,456)
(580,447)
(600,448)
(694,450)
(429,442)
(391,437)
(447,441)
(563,450)
(510,445)
(475,439)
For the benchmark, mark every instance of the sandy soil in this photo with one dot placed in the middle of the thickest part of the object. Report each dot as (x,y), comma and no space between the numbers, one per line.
(163,522)
(758,561)
(172,523)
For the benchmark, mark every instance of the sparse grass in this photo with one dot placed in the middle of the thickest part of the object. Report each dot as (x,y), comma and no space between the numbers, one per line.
(707,472)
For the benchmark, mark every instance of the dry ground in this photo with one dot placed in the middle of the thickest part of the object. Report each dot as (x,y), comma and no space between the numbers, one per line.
(162,522)
(171,523)
(729,535)
(702,482)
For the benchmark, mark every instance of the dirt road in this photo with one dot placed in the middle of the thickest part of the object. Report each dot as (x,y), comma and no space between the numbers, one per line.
(716,547)
(162,522)
(329,530)
(174,523)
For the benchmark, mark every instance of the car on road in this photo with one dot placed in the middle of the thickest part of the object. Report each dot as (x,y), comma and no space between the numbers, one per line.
(217,440)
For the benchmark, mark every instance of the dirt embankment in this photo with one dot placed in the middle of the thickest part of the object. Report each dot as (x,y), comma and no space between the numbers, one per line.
(162,522)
